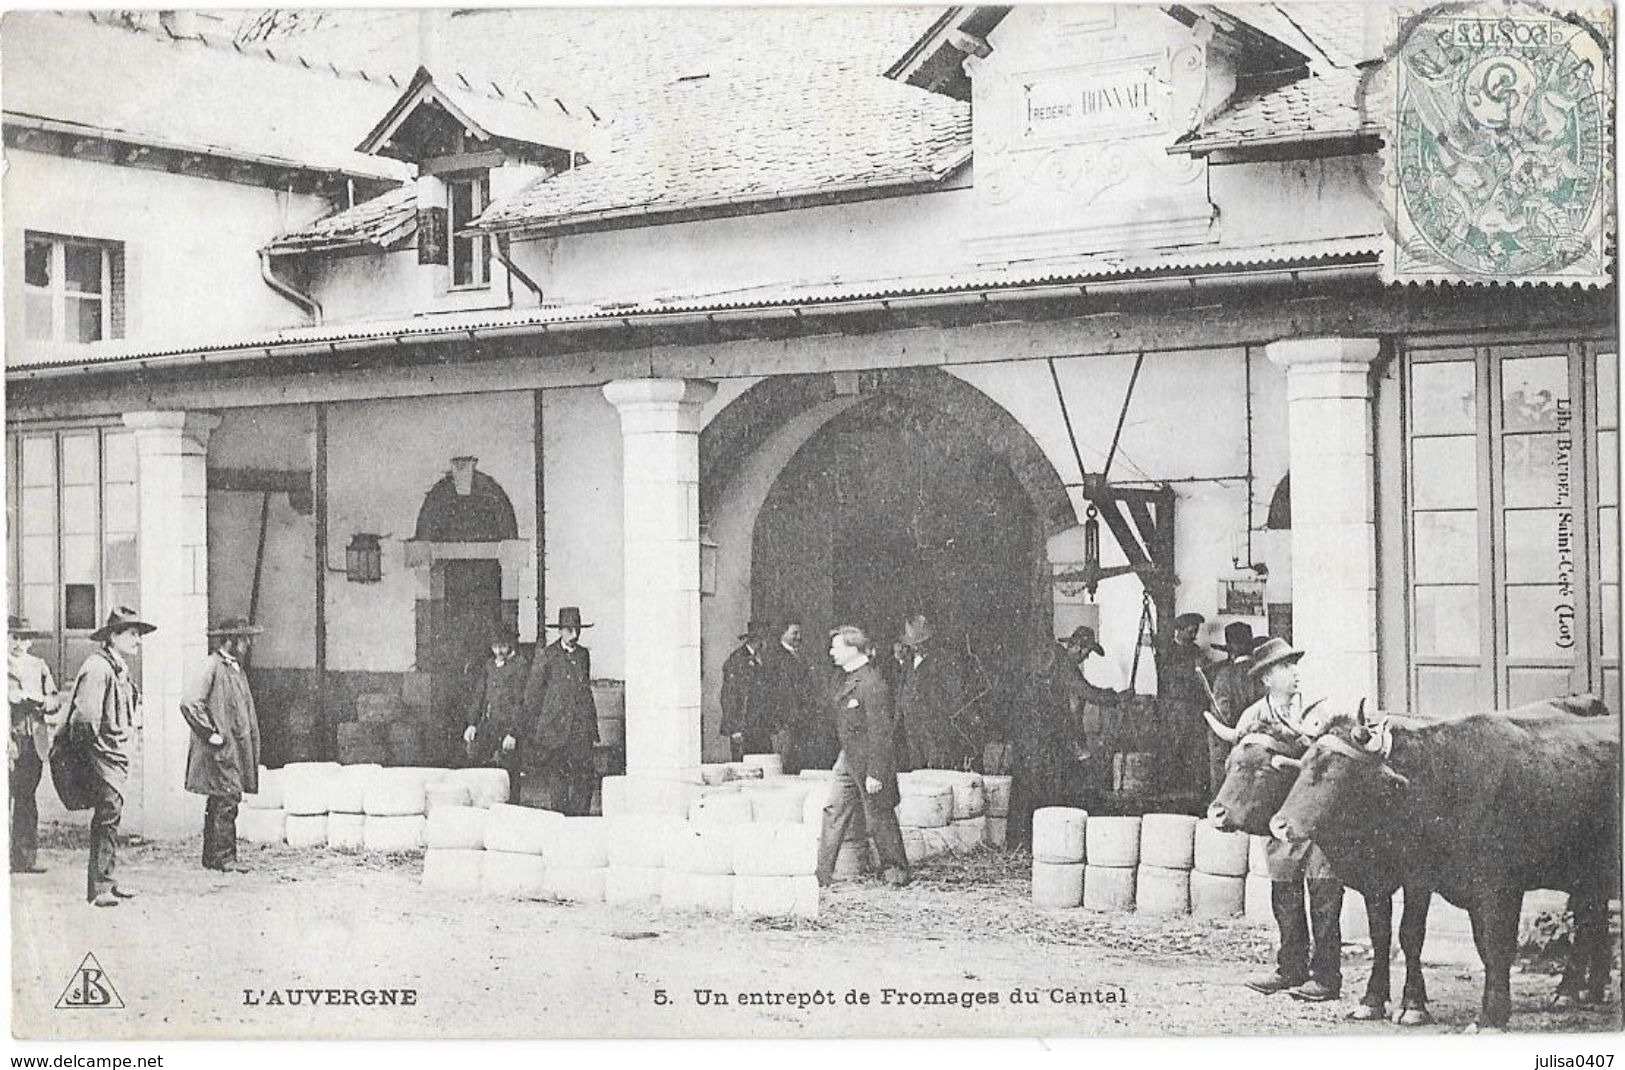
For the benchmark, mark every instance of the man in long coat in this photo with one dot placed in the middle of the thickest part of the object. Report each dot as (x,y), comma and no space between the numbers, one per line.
(748,717)
(866,769)
(223,757)
(790,686)
(935,694)
(1181,698)
(1234,690)
(101,717)
(32,694)
(495,708)
(563,715)
(1053,754)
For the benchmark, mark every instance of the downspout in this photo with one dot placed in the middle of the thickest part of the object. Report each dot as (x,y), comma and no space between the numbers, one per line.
(307,304)
(504,255)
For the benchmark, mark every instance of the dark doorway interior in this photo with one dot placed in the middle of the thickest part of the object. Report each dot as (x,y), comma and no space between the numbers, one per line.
(468,600)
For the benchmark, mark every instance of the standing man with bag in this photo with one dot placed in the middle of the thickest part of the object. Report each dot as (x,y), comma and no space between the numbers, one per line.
(101,716)
(564,717)
(31,690)
(223,758)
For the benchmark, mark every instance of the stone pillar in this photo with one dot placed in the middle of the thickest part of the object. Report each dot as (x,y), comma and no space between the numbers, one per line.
(1334,531)
(171,449)
(660,445)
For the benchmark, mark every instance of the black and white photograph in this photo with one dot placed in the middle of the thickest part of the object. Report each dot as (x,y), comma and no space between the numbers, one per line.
(819,522)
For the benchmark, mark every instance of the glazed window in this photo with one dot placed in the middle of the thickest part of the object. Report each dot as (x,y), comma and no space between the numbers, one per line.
(73,289)
(470,254)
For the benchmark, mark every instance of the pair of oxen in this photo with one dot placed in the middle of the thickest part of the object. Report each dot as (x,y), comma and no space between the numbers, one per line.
(1477,808)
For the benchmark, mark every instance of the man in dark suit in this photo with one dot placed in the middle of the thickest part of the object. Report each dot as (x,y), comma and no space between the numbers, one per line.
(494,708)
(934,695)
(790,688)
(866,770)
(749,718)
(564,718)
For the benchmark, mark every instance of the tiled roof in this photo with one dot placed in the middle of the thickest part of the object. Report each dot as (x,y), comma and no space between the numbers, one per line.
(149,89)
(1338,30)
(379,223)
(1322,104)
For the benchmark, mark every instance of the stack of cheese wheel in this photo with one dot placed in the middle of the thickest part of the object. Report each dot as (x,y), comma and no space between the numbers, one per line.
(1058,853)
(446,792)
(306,787)
(347,806)
(485,787)
(1167,853)
(577,859)
(720,806)
(925,813)
(515,842)
(773,867)
(1112,847)
(262,818)
(636,850)
(699,868)
(969,824)
(1219,877)
(997,791)
(1257,907)
(395,802)
(454,855)
(777,800)
(626,796)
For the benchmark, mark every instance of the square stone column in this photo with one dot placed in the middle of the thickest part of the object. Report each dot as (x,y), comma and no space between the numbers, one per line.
(1334,531)
(660,440)
(172,486)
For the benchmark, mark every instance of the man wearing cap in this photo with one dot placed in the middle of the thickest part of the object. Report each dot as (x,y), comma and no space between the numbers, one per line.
(748,719)
(1235,689)
(1309,965)
(34,700)
(223,757)
(101,716)
(564,718)
(1181,697)
(495,709)
(934,693)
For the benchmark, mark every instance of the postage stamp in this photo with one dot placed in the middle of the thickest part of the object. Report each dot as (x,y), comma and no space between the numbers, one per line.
(1498,125)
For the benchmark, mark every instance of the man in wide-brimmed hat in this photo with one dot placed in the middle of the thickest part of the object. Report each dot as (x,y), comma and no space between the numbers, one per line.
(748,717)
(934,694)
(564,717)
(101,718)
(223,757)
(1309,965)
(31,690)
(1051,757)
(495,709)
(1234,689)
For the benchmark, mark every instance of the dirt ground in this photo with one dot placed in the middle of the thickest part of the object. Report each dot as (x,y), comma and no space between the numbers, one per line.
(198,954)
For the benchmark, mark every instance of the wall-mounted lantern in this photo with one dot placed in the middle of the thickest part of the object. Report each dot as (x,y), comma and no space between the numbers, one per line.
(708,564)
(364,559)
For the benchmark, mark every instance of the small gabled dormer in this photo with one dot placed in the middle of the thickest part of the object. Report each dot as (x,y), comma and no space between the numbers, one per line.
(473,145)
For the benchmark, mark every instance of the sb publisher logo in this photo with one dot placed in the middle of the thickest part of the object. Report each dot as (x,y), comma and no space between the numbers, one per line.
(89,989)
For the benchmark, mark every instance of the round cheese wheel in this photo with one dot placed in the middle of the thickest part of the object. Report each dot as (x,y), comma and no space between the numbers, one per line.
(519,829)
(505,873)
(998,832)
(632,884)
(395,793)
(1112,841)
(929,805)
(577,843)
(262,826)
(486,787)
(782,850)
(574,885)
(445,793)
(346,832)
(1217,896)
(1162,890)
(731,808)
(639,841)
(456,828)
(394,833)
(1223,854)
(777,805)
(706,849)
(269,797)
(306,830)
(1168,841)
(304,787)
(775,897)
(769,764)
(1059,833)
(711,893)
(1057,885)
(1257,908)
(1109,888)
(347,788)
(451,869)
(970,833)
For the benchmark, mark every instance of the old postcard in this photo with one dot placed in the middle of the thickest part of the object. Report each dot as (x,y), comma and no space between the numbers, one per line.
(1041,520)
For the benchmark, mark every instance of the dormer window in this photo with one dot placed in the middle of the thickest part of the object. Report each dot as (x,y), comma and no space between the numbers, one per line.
(466,197)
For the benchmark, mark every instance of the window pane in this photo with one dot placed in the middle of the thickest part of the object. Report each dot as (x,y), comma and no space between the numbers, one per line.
(79,460)
(1443,690)
(1446,547)
(1540,623)
(1532,389)
(1525,685)
(462,261)
(85,318)
(1529,465)
(1444,397)
(462,203)
(1610,620)
(79,606)
(1608,467)
(120,561)
(79,510)
(1535,541)
(38,322)
(82,266)
(79,559)
(39,509)
(39,605)
(1608,527)
(39,559)
(121,507)
(1447,621)
(124,594)
(37,262)
(118,457)
(1607,389)
(1442,473)
(39,462)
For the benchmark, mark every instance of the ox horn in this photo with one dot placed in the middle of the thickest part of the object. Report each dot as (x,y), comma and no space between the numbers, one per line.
(1359,712)
(1220,729)
(1283,763)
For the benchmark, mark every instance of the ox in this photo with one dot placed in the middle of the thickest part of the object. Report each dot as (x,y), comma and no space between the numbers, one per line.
(1481,808)
(1261,770)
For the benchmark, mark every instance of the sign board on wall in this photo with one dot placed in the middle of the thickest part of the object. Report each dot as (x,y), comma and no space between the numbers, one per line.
(1078,106)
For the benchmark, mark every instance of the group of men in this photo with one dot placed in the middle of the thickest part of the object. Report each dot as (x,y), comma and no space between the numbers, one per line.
(1190,683)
